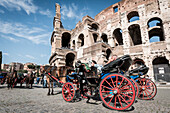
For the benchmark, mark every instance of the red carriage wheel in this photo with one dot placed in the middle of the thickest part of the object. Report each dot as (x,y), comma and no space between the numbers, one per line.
(117,92)
(68,92)
(147,88)
(136,87)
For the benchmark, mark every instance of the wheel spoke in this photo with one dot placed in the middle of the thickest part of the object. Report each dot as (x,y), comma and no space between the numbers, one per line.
(107,87)
(124,99)
(126,95)
(121,83)
(112,82)
(115,102)
(108,95)
(146,94)
(106,91)
(124,86)
(116,80)
(120,101)
(109,83)
(111,99)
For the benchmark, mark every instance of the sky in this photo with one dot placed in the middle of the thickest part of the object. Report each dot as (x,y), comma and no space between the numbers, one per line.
(26,26)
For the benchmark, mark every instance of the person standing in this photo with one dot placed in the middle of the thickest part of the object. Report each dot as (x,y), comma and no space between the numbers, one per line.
(45,81)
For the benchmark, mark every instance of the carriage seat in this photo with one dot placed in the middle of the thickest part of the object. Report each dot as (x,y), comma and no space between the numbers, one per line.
(122,63)
(142,69)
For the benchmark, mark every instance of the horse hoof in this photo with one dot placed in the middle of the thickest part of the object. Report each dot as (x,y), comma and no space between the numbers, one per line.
(52,93)
(48,94)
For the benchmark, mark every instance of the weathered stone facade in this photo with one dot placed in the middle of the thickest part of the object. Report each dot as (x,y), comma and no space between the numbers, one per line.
(113,31)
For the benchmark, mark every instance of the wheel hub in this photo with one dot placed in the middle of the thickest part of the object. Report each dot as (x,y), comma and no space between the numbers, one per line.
(143,87)
(116,91)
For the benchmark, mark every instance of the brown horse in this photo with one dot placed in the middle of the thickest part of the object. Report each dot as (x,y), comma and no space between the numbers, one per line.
(9,78)
(50,73)
(29,79)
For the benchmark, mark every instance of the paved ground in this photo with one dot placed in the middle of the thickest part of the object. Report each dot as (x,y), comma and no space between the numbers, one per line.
(22,100)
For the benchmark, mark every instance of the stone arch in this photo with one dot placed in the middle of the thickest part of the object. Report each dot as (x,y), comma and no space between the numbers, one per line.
(94,27)
(73,44)
(108,53)
(133,16)
(135,34)
(65,40)
(117,35)
(70,57)
(80,41)
(160,60)
(104,38)
(161,69)
(156,35)
(95,37)
(155,32)
(155,21)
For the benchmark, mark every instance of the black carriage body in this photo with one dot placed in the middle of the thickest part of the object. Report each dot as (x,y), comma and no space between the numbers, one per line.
(86,79)
(143,69)
(108,87)
(122,63)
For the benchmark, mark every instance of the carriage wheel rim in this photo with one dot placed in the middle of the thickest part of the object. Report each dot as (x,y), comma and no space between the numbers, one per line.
(136,86)
(68,92)
(120,95)
(147,90)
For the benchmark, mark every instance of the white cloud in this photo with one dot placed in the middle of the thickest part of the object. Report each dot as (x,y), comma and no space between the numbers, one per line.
(9,38)
(29,56)
(7,54)
(47,13)
(34,34)
(72,11)
(1,11)
(43,55)
(26,5)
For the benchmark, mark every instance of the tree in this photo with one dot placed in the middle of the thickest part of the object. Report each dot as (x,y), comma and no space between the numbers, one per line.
(31,66)
(37,67)
(23,71)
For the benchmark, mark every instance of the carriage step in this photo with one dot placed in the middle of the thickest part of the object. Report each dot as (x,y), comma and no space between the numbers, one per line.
(92,85)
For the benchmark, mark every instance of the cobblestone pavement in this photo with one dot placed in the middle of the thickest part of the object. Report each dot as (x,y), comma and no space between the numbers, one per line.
(22,100)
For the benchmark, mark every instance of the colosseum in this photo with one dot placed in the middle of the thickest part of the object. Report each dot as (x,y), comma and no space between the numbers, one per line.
(139,28)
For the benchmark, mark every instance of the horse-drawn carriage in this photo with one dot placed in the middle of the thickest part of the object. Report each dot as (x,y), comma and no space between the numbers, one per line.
(116,86)
(113,87)
(3,76)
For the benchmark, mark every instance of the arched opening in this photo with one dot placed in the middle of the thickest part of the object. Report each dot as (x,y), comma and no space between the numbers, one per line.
(73,44)
(108,53)
(154,22)
(70,59)
(133,16)
(135,34)
(117,34)
(80,42)
(104,38)
(95,37)
(156,30)
(94,27)
(66,40)
(156,35)
(137,62)
(161,69)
